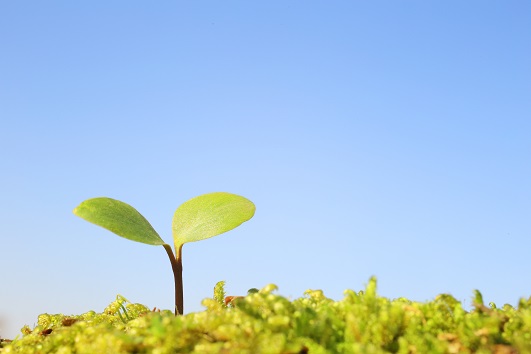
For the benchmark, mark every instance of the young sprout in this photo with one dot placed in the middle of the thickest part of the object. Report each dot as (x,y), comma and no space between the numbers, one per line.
(197,219)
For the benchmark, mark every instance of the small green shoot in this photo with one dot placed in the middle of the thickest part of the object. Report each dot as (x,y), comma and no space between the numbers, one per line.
(219,293)
(197,219)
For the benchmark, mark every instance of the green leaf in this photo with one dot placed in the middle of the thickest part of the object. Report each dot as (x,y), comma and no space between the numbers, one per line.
(120,218)
(209,215)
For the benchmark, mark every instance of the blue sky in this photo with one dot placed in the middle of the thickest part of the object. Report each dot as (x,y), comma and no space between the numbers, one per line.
(386,138)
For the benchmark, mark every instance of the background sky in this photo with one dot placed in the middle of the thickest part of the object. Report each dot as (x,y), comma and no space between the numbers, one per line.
(385,138)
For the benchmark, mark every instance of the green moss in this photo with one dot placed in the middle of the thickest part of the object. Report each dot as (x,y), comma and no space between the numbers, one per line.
(263,322)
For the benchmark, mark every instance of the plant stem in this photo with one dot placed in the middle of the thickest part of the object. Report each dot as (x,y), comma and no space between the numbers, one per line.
(177,267)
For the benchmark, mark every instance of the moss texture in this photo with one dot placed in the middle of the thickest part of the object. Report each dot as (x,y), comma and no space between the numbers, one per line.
(263,322)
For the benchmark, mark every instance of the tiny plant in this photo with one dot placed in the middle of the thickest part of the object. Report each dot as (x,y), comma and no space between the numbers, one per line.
(199,218)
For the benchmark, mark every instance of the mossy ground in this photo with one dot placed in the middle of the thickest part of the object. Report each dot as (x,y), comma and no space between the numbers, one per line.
(362,322)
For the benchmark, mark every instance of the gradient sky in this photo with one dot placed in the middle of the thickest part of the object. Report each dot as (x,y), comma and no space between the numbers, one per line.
(385,138)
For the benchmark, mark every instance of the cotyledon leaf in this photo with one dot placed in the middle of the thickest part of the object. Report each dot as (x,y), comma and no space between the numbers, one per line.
(120,218)
(209,215)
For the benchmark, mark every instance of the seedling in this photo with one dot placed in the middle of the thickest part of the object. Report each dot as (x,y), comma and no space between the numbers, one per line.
(197,219)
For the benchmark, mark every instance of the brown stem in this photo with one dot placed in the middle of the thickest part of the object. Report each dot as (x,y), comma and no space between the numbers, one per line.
(177,267)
